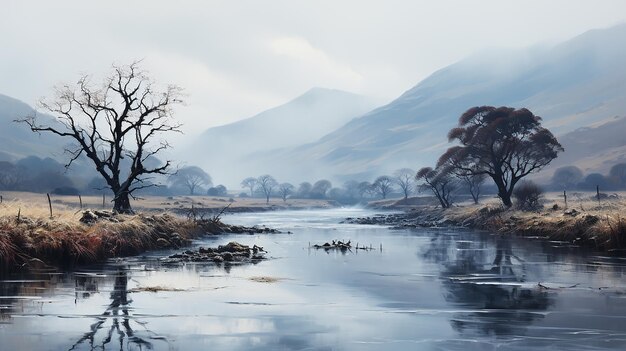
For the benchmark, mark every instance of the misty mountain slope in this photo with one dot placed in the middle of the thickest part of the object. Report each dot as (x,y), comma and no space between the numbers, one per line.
(237,149)
(17,140)
(573,84)
(592,149)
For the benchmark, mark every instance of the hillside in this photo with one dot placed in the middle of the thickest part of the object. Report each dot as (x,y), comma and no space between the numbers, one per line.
(237,149)
(571,85)
(593,149)
(17,139)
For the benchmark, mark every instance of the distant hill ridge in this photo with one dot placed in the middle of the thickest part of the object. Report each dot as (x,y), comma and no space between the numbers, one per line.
(573,84)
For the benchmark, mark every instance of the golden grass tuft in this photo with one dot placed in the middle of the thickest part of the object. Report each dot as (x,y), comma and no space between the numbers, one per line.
(63,240)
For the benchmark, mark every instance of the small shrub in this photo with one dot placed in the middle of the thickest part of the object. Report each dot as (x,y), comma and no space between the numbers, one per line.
(528,195)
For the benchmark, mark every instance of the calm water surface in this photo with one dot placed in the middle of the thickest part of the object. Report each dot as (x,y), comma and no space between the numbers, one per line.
(426,290)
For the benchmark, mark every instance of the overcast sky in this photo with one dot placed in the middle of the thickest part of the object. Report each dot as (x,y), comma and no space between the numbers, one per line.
(237,58)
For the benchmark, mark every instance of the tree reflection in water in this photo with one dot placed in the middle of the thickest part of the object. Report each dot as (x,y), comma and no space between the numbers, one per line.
(493,292)
(101,334)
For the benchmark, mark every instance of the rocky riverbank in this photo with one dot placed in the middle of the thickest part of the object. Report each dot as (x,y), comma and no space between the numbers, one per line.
(94,236)
(600,228)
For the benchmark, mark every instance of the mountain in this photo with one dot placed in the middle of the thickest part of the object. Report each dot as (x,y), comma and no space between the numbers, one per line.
(17,139)
(592,149)
(238,149)
(573,84)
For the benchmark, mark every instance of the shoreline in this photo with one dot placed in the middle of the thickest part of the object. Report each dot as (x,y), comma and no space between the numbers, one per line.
(35,241)
(601,230)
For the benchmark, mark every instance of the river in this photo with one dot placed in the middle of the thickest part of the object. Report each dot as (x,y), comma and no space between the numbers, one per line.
(426,289)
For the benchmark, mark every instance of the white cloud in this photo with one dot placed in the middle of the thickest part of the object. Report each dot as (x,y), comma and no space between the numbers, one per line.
(236,58)
(314,62)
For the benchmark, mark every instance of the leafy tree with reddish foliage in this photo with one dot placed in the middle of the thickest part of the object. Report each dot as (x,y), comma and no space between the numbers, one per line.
(503,143)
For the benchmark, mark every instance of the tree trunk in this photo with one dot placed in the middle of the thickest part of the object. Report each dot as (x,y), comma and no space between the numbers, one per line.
(267,201)
(503,193)
(474,194)
(121,203)
(506,198)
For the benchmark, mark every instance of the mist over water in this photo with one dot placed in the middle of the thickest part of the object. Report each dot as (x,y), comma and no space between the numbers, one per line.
(427,289)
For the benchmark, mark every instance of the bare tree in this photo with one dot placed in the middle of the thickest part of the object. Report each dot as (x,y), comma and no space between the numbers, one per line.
(121,119)
(440,182)
(250,183)
(190,177)
(383,186)
(267,183)
(286,189)
(504,143)
(473,183)
(405,178)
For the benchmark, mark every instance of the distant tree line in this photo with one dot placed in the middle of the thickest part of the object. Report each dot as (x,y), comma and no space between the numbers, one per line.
(573,178)
(402,183)
(46,175)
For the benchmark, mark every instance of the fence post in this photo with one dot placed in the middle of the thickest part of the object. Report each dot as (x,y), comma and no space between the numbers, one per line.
(598,193)
(80,200)
(565,197)
(49,204)
(103,201)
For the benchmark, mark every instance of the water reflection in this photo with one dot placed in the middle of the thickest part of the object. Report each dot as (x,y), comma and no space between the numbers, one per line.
(463,290)
(114,325)
(494,292)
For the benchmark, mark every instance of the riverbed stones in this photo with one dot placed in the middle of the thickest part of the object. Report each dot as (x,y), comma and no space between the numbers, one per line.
(233,252)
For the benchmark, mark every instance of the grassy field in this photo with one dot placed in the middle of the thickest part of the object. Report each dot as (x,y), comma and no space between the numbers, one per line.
(36,204)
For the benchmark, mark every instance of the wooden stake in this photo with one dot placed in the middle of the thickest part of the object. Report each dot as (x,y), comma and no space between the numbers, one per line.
(103,201)
(19,212)
(565,197)
(80,200)
(49,204)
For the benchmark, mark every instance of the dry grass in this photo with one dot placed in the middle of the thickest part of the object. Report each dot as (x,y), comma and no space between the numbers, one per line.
(62,204)
(63,240)
(599,224)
